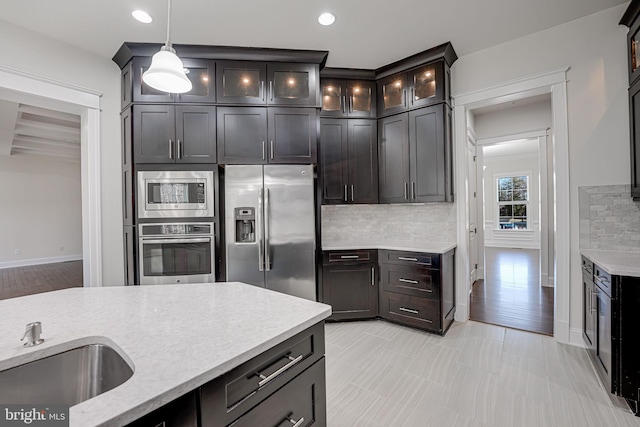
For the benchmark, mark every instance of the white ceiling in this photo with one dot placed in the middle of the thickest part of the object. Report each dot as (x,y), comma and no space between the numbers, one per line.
(367,33)
(511,148)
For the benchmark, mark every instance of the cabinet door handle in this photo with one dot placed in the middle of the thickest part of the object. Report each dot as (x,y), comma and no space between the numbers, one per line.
(404,98)
(180,150)
(373,276)
(264,380)
(351,104)
(412,96)
(594,307)
(406,191)
(262,89)
(352,192)
(271,90)
(345,193)
(344,101)
(402,258)
(264,149)
(413,282)
(408,310)
(170,149)
(349,257)
(271,148)
(413,190)
(162,424)
(296,423)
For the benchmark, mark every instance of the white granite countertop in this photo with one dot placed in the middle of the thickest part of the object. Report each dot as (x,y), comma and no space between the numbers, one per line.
(177,337)
(398,245)
(614,262)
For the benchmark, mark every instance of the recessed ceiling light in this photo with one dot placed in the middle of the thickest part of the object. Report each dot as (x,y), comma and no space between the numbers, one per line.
(327,18)
(142,16)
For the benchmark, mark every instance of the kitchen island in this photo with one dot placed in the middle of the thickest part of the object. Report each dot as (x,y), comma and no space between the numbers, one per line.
(176,338)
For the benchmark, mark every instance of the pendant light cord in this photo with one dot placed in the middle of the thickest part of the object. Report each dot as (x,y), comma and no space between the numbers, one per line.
(168,43)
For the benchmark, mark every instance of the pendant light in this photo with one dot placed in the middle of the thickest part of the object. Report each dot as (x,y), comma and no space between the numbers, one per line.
(166,72)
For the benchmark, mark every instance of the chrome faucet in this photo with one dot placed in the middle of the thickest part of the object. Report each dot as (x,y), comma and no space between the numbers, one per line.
(33,334)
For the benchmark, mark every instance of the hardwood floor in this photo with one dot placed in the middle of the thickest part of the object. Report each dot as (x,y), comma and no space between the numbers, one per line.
(34,279)
(511,294)
(382,374)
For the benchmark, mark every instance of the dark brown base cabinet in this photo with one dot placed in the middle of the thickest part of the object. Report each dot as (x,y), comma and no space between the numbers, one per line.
(350,285)
(611,321)
(285,385)
(414,288)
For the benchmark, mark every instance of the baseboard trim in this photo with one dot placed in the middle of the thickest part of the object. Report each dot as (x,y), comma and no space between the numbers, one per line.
(39,261)
(576,338)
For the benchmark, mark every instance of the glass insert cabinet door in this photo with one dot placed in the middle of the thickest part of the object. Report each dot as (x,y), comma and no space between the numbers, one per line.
(426,85)
(360,99)
(393,91)
(200,72)
(333,98)
(292,84)
(634,52)
(241,82)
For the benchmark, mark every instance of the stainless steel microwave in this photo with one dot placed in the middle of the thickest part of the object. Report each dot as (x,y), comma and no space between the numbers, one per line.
(175,194)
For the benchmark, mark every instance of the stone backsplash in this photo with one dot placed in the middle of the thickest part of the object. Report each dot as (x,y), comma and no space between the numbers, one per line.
(609,218)
(434,222)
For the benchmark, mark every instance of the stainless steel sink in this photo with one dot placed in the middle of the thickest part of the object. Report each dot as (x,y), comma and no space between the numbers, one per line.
(65,378)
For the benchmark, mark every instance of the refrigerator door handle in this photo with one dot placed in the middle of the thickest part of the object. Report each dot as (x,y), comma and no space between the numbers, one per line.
(259,232)
(267,243)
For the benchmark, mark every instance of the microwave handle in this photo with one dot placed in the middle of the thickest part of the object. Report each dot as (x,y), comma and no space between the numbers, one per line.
(155,240)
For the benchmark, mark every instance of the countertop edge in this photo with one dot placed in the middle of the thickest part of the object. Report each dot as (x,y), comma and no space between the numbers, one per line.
(616,263)
(438,248)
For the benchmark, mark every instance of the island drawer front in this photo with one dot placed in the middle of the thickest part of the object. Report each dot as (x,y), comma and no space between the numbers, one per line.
(409,258)
(602,279)
(342,257)
(301,402)
(587,266)
(419,312)
(406,280)
(234,393)
(181,412)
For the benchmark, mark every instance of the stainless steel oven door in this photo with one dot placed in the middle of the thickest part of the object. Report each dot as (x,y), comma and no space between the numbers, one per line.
(175,194)
(176,260)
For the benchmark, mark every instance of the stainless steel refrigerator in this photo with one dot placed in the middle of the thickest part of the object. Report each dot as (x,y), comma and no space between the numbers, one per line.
(270,227)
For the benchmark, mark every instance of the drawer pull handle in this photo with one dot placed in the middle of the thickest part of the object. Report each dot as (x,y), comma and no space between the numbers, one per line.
(349,257)
(162,424)
(603,280)
(296,423)
(264,380)
(408,310)
(413,282)
(402,258)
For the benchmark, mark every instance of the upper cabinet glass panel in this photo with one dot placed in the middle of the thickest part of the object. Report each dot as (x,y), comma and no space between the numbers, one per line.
(241,82)
(424,84)
(393,93)
(293,84)
(360,99)
(634,55)
(331,97)
(290,85)
(199,80)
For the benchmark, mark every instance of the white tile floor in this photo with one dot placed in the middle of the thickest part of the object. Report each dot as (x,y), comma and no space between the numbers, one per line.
(382,374)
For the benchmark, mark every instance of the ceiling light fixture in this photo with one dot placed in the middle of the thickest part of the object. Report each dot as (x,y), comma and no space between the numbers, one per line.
(166,72)
(327,18)
(142,16)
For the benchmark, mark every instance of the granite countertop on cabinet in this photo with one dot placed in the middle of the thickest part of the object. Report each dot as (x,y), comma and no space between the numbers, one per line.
(176,337)
(398,245)
(617,263)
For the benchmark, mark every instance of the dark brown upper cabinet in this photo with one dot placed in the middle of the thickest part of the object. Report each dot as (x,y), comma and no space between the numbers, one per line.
(262,135)
(349,161)
(201,72)
(259,83)
(174,134)
(631,19)
(416,88)
(415,156)
(348,98)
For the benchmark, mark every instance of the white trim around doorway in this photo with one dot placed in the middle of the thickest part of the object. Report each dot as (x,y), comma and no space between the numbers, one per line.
(22,87)
(555,83)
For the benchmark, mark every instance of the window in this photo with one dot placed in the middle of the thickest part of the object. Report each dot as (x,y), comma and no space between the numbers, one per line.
(513,201)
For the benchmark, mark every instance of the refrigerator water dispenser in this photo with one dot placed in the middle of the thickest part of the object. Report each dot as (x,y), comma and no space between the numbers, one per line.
(245,219)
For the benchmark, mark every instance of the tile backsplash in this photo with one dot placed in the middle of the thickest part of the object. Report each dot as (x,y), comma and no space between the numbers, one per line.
(609,218)
(434,222)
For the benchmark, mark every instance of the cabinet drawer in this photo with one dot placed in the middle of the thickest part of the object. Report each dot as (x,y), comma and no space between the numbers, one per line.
(229,396)
(416,281)
(602,279)
(587,266)
(300,403)
(332,257)
(419,312)
(181,412)
(410,258)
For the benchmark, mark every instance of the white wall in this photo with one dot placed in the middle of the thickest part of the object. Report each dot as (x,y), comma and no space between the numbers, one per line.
(514,120)
(41,210)
(32,53)
(511,165)
(594,48)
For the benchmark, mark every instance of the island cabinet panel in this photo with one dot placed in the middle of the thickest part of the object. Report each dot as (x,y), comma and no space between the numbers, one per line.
(417,289)
(350,284)
(234,394)
(174,134)
(589,306)
(182,412)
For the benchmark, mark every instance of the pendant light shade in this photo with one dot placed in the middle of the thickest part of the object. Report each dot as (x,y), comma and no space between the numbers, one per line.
(166,72)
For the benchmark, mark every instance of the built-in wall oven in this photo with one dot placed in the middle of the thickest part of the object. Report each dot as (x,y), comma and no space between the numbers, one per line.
(176,253)
(175,194)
